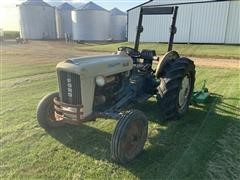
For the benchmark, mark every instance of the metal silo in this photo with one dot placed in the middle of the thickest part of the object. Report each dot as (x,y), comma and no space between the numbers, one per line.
(58,16)
(91,23)
(118,25)
(37,20)
(66,19)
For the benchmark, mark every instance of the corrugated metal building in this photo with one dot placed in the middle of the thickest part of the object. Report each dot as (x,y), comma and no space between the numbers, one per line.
(215,22)
(37,20)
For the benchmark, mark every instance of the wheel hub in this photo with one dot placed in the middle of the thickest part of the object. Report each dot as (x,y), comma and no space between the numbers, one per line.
(184,92)
(133,139)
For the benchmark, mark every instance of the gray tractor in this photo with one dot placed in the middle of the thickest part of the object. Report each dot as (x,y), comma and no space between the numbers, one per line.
(106,86)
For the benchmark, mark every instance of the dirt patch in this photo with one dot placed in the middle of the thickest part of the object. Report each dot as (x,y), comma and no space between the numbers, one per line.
(45,52)
(41,52)
(218,63)
(221,63)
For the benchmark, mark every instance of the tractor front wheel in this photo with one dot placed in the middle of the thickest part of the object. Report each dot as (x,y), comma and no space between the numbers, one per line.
(129,136)
(176,87)
(45,112)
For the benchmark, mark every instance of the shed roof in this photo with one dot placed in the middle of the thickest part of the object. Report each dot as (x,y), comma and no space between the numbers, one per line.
(181,2)
(139,5)
(36,3)
(117,12)
(66,6)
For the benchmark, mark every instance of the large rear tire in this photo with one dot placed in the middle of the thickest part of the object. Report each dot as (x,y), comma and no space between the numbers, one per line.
(129,136)
(176,87)
(45,112)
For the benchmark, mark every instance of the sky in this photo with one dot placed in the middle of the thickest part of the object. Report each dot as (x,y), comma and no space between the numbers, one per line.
(9,17)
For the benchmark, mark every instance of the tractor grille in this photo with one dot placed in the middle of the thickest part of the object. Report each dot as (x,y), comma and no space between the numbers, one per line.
(70,88)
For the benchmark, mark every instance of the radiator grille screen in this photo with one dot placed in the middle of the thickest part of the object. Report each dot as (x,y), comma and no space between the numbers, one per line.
(70,88)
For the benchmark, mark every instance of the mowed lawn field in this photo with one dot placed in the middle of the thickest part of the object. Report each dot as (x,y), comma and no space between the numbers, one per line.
(202,145)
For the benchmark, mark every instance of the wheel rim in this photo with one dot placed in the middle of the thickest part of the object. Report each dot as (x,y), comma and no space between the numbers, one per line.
(134,140)
(184,92)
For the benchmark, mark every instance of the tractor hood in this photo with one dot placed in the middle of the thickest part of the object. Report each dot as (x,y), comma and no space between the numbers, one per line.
(97,65)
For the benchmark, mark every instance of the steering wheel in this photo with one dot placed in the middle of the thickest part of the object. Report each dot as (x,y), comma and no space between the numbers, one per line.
(130,51)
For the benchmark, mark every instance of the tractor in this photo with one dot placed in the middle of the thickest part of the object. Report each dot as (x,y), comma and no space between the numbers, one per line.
(108,86)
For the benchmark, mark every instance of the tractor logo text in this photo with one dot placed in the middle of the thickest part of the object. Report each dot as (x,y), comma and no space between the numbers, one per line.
(113,65)
(69,87)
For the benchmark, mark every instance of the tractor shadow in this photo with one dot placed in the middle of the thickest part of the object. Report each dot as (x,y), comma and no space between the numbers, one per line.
(84,139)
(167,145)
(196,134)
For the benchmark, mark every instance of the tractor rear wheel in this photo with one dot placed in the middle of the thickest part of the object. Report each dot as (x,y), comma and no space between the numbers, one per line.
(45,112)
(129,136)
(176,87)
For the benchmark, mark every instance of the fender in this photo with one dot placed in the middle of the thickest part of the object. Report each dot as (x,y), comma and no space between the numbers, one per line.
(161,64)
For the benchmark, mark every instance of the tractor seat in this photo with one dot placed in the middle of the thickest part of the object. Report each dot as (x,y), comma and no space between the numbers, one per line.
(148,56)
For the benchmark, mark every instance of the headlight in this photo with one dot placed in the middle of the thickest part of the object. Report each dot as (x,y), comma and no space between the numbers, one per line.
(100,81)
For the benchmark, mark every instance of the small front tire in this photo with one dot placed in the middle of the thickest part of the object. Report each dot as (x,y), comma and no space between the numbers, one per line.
(45,112)
(129,136)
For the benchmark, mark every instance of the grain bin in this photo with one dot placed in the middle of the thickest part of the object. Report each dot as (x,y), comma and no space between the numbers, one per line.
(66,19)
(59,28)
(91,23)
(37,20)
(118,25)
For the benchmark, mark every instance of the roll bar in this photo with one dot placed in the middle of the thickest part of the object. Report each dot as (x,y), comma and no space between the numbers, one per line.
(156,10)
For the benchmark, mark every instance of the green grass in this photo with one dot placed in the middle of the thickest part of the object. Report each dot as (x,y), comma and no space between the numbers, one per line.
(223,167)
(11,34)
(23,70)
(196,50)
(200,146)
